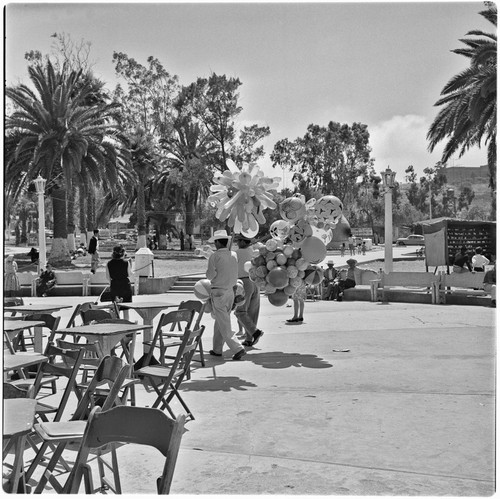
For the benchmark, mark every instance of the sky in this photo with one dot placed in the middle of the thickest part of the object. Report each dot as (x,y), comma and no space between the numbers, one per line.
(381,64)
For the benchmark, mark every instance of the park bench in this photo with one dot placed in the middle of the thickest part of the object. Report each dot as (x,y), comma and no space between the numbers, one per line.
(467,283)
(421,283)
(27,283)
(362,290)
(73,281)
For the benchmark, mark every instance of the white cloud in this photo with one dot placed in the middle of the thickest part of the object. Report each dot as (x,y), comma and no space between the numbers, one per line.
(401,141)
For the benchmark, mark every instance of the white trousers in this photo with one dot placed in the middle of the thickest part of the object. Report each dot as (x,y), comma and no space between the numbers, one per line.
(222,301)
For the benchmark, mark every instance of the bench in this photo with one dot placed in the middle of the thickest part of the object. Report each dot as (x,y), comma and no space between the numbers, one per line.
(98,282)
(467,283)
(27,283)
(72,280)
(407,282)
(363,284)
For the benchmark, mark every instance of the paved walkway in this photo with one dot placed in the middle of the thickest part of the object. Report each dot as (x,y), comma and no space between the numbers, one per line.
(361,399)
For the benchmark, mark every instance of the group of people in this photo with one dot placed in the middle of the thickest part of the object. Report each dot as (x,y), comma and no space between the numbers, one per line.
(335,282)
(464,262)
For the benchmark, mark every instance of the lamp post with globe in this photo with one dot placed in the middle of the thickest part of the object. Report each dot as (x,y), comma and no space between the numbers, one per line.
(40,190)
(388,178)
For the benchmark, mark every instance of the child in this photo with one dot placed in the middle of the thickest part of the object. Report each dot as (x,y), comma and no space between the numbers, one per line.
(299,298)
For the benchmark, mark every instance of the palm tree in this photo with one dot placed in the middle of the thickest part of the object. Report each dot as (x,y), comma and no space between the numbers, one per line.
(470,100)
(55,133)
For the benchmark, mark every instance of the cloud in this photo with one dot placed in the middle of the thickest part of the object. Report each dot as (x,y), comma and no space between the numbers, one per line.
(401,141)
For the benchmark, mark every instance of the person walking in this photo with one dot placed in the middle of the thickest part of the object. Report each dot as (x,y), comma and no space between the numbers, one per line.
(222,271)
(94,251)
(119,272)
(11,284)
(479,261)
(247,312)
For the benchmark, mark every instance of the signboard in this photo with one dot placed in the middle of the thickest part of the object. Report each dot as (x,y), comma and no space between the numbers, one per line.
(362,232)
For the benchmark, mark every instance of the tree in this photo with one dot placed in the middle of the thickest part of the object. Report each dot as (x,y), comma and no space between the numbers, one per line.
(52,132)
(329,159)
(465,197)
(469,100)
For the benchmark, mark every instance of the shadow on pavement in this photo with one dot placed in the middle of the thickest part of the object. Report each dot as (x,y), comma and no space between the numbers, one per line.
(219,384)
(281,360)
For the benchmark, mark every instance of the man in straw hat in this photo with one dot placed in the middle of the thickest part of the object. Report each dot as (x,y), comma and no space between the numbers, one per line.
(222,271)
(329,277)
(247,312)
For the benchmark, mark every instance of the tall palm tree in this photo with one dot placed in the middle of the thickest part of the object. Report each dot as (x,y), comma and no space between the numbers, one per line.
(470,100)
(53,132)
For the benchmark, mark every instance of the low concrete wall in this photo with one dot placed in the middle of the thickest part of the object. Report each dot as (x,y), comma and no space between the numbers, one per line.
(155,285)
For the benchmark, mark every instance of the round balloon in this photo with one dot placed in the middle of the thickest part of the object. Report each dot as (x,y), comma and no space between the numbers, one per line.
(313,276)
(292,271)
(289,290)
(279,229)
(328,208)
(269,288)
(278,298)
(292,209)
(313,250)
(301,264)
(281,259)
(288,250)
(202,289)
(271,264)
(271,245)
(278,277)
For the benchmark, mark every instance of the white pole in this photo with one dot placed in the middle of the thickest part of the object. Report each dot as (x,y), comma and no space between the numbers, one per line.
(41,228)
(388,231)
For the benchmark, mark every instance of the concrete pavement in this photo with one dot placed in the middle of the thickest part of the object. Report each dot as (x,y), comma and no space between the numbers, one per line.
(361,399)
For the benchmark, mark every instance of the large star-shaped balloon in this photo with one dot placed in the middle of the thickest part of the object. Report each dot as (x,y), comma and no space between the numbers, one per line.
(241,195)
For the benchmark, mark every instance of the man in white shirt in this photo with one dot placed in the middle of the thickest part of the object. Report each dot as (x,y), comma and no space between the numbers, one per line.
(479,261)
(222,272)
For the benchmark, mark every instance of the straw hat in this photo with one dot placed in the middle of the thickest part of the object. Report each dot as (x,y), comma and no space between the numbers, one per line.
(218,234)
(329,262)
(351,261)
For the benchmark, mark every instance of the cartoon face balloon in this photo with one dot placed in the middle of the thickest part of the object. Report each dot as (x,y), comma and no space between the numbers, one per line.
(292,209)
(279,229)
(328,208)
(299,231)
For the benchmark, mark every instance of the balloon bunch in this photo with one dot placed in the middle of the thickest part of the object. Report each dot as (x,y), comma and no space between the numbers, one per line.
(241,195)
(280,268)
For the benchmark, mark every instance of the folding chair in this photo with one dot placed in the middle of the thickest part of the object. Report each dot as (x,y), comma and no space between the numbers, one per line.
(96,315)
(12,302)
(112,372)
(136,425)
(166,379)
(167,324)
(15,482)
(50,322)
(50,372)
(199,308)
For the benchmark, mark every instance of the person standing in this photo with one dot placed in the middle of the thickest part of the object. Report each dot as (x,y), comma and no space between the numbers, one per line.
(181,240)
(350,244)
(119,272)
(299,298)
(490,284)
(222,271)
(10,280)
(342,250)
(247,312)
(479,261)
(94,251)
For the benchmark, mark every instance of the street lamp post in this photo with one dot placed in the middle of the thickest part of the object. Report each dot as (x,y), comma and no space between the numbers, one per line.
(388,179)
(40,190)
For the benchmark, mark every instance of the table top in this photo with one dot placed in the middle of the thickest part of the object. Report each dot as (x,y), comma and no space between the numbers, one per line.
(20,360)
(12,326)
(147,305)
(107,328)
(37,307)
(18,416)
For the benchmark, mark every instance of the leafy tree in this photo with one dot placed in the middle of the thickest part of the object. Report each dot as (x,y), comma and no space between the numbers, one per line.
(469,99)
(246,149)
(465,197)
(53,132)
(329,159)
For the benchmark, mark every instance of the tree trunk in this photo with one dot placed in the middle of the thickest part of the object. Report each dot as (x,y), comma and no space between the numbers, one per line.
(141,215)
(83,214)
(189,207)
(59,254)
(71,206)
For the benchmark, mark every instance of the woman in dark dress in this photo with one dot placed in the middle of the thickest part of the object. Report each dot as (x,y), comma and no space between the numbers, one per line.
(119,272)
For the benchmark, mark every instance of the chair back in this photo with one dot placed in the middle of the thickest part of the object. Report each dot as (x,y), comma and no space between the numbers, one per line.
(92,352)
(96,315)
(11,391)
(68,366)
(50,321)
(197,306)
(12,301)
(111,371)
(138,425)
(191,345)
(169,319)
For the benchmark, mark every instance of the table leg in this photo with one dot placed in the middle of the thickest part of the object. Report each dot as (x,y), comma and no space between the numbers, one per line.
(38,339)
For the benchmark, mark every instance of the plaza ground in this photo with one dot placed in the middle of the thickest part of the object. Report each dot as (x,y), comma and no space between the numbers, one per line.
(361,399)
